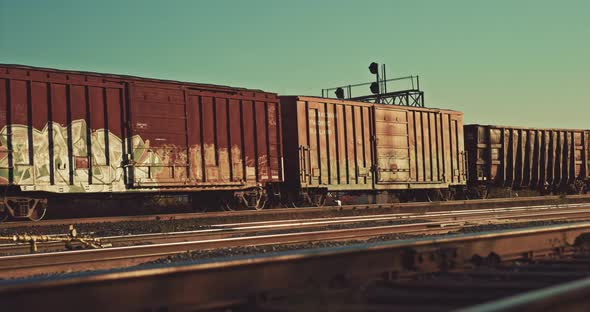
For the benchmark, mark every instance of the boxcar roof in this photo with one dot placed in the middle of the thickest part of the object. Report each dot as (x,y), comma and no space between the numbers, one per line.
(125,77)
(524,128)
(350,102)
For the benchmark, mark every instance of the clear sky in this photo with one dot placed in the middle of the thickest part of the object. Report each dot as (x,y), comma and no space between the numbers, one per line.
(500,62)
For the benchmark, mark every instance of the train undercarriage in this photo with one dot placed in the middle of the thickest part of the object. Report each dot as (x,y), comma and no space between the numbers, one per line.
(318,197)
(490,190)
(16,204)
(30,208)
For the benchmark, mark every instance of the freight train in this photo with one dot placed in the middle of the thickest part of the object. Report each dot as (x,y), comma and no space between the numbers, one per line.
(75,135)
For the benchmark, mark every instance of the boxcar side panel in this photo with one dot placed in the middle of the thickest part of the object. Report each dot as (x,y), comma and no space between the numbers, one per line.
(333,142)
(350,148)
(434,153)
(51,122)
(340,142)
(65,131)
(346,145)
(40,101)
(248,119)
(419,148)
(22,168)
(5,154)
(331,135)
(586,154)
(209,139)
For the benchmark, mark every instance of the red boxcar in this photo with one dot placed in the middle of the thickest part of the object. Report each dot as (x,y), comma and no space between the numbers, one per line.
(80,132)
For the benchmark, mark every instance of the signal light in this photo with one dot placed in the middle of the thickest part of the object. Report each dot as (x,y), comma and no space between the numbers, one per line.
(374,68)
(340,93)
(375,88)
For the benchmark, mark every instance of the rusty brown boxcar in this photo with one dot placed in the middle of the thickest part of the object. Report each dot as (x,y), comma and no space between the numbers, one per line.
(80,132)
(547,160)
(338,147)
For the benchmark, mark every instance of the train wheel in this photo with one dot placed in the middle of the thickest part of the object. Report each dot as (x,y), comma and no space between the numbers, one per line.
(478,192)
(260,200)
(255,199)
(452,194)
(38,213)
(260,205)
(578,186)
(316,199)
(228,205)
(447,194)
(252,199)
(320,200)
(435,195)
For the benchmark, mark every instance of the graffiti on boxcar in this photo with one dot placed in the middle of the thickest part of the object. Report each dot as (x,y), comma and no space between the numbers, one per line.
(221,164)
(151,165)
(107,173)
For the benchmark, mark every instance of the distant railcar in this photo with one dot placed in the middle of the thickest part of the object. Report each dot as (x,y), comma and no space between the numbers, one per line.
(514,158)
(77,132)
(343,148)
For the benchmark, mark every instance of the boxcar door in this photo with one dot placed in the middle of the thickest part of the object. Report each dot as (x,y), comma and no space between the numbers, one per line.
(392,146)
(159,136)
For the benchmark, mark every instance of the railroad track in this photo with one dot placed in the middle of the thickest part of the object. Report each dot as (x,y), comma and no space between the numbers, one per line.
(310,211)
(420,221)
(136,249)
(367,276)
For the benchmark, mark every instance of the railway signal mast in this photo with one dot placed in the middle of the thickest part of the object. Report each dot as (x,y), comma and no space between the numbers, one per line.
(374,69)
(407,93)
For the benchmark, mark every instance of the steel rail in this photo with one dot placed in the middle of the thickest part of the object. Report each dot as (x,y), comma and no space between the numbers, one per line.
(424,215)
(290,223)
(229,281)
